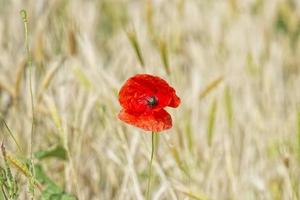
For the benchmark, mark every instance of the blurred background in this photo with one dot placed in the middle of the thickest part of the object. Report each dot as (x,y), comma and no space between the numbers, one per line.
(235,65)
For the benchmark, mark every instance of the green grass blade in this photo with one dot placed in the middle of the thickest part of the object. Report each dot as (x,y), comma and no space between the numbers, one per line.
(164,55)
(211,121)
(228,106)
(131,34)
(298,133)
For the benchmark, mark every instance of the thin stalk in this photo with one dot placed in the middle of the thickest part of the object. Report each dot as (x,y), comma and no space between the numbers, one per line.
(153,137)
(4,193)
(25,21)
(23,14)
(9,131)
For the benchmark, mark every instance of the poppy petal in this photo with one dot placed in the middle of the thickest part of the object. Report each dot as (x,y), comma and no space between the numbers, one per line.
(175,101)
(134,93)
(155,121)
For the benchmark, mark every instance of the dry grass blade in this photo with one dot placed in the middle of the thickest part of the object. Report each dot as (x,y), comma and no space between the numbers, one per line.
(5,87)
(51,107)
(212,85)
(82,78)
(149,16)
(63,136)
(180,7)
(72,43)
(19,75)
(49,76)
(192,195)
(9,131)
(179,162)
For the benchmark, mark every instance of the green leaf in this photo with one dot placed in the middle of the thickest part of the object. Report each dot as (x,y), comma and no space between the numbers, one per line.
(41,176)
(51,191)
(56,152)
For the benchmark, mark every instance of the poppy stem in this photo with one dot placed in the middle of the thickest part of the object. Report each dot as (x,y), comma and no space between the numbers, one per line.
(153,136)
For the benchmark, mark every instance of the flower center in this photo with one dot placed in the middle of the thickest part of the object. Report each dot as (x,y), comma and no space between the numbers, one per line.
(152,101)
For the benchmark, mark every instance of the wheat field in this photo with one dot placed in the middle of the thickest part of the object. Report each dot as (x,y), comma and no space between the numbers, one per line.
(234,64)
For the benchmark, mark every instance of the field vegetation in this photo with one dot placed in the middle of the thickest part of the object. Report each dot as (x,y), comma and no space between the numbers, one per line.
(234,64)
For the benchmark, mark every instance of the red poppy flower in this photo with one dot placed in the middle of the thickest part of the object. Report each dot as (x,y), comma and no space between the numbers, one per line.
(143,98)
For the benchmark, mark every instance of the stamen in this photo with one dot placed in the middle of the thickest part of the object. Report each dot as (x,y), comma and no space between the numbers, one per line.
(152,101)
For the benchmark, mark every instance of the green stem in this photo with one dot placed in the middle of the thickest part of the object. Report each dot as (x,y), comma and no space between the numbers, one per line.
(23,14)
(150,164)
(29,61)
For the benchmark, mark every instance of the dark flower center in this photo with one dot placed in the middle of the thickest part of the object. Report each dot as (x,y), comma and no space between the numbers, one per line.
(152,101)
